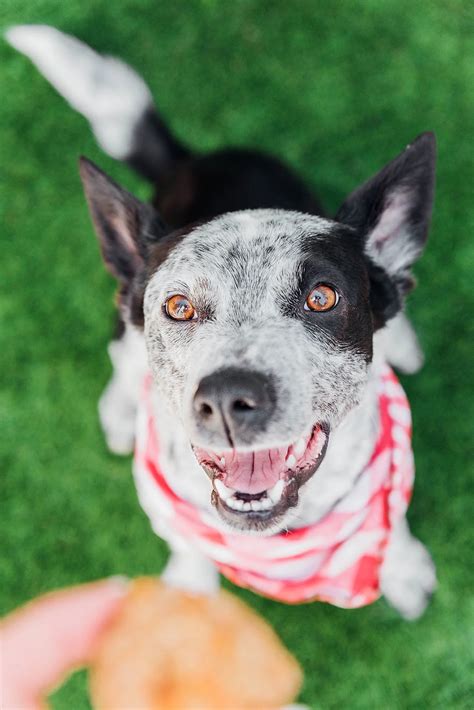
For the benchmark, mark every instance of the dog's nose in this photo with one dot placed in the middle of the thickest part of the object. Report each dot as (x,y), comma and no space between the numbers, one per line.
(234,403)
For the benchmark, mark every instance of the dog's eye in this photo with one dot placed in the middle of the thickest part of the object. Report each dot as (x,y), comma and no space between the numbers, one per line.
(321,298)
(179,307)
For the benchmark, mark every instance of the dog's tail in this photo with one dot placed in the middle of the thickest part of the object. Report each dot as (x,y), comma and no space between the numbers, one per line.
(110,94)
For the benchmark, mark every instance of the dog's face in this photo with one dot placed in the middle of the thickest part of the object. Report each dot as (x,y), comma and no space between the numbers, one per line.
(259,330)
(259,324)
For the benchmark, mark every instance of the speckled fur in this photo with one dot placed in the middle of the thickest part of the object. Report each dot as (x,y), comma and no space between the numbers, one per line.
(242,286)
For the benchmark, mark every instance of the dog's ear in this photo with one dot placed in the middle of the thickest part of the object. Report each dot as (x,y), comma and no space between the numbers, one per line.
(125,226)
(393,210)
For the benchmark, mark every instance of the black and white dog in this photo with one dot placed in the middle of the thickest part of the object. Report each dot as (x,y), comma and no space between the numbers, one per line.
(265,324)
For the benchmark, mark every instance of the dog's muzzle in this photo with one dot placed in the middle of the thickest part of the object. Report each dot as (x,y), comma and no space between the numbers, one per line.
(250,488)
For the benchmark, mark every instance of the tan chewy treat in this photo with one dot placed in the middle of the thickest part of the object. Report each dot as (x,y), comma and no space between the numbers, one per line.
(168,649)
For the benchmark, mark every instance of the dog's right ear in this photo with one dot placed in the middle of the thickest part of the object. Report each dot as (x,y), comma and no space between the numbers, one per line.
(392,212)
(125,226)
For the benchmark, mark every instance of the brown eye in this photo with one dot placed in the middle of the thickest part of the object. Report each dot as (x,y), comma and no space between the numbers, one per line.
(180,308)
(321,298)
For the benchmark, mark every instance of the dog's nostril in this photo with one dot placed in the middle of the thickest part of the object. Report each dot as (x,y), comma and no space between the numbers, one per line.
(242,405)
(205,410)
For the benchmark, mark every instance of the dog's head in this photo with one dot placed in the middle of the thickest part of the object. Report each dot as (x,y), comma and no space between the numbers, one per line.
(259,324)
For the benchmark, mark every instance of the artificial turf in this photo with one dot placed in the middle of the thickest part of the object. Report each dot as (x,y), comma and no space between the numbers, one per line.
(337,88)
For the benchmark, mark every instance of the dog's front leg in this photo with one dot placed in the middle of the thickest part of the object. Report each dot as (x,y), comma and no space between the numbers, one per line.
(408,576)
(118,403)
(188,569)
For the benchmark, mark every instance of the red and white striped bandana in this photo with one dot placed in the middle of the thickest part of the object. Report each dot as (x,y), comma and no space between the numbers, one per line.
(337,559)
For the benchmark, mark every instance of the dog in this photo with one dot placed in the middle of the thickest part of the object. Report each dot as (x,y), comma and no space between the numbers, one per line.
(273,439)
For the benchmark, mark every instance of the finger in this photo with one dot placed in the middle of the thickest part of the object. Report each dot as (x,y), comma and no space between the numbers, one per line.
(52,635)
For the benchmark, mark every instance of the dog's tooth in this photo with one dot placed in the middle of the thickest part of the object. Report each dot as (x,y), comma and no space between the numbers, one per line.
(222,461)
(267,503)
(320,443)
(247,506)
(236,503)
(223,491)
(300,447)
(261,503)
(274,494)
(291,461)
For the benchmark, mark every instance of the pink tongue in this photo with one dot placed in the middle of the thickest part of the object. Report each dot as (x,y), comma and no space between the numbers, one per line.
(254,472)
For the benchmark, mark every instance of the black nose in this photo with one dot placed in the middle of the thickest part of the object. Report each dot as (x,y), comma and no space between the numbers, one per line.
(235,404)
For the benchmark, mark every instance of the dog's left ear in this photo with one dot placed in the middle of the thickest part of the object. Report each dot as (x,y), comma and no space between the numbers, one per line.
(393,210)
(127,229)
(125,226)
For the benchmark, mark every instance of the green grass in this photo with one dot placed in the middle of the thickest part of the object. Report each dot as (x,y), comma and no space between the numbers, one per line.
(337,88)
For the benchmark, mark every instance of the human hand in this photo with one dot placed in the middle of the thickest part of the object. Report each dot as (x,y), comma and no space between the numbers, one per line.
(43,641)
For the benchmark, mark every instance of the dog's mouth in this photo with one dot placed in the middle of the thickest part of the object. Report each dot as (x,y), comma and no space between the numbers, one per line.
(254,489)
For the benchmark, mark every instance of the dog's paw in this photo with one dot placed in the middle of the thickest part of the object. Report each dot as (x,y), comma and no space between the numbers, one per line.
(408,577)
(117,417)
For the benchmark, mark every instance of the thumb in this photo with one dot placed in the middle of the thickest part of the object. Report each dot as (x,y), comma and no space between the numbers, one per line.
(50,636)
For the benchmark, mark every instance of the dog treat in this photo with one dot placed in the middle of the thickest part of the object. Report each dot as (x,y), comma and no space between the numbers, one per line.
(170,649)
